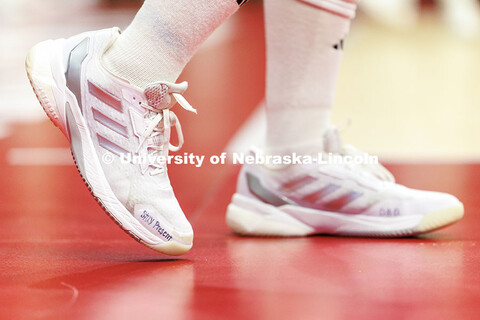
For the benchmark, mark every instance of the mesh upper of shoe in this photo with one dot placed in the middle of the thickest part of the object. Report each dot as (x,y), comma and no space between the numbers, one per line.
(374,184)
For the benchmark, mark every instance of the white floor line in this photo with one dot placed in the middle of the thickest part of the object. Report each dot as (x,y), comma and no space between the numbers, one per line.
(39,157)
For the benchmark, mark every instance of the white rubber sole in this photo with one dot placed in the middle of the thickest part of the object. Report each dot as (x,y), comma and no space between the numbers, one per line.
(40,73)
(246,216)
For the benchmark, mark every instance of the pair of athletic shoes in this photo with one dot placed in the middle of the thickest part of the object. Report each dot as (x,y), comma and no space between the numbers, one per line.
(108,120)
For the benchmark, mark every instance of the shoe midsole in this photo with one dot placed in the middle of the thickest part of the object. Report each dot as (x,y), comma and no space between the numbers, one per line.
(326,221)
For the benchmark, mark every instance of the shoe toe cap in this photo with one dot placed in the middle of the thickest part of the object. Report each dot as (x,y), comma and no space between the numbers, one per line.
(429,201)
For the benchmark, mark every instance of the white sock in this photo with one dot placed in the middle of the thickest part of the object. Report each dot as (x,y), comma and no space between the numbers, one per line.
(163,37)
(304,49)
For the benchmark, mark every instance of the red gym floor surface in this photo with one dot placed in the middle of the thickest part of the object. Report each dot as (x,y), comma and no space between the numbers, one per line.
(61,257)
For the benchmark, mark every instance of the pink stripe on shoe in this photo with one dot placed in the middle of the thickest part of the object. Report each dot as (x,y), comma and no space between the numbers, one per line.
(105,97)
(298,183)
(341,202)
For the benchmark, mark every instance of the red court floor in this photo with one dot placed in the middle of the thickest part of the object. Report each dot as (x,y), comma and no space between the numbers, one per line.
(61,257)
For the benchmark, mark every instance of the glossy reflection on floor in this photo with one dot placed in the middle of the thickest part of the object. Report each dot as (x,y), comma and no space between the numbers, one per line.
(61,257)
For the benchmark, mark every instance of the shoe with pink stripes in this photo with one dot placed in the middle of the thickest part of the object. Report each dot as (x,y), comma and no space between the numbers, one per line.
(329,196)
(118,134)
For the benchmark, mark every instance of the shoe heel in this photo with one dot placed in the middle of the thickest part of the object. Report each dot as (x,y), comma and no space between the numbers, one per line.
(276,224)
(37,65)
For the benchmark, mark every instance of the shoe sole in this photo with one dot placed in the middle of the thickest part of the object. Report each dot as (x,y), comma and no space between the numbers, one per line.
(41,80)
(250,217)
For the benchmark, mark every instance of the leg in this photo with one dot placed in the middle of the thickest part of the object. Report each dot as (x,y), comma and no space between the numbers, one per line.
(163,37)
(341,191)
(304,50)
(111,94)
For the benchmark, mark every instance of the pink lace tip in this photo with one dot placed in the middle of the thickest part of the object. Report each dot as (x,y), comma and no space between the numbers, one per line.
(157,96)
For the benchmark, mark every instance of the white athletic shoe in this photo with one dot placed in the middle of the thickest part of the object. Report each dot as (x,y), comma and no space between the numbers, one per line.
(107,120)
(331,198)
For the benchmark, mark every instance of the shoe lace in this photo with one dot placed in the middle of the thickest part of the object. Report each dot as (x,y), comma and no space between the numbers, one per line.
(334,145)
(160,119)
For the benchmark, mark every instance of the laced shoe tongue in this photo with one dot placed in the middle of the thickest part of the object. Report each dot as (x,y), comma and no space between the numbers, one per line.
(161,96)
(158,98)
(332,141)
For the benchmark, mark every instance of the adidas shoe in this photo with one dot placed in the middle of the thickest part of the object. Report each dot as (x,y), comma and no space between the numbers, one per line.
(109,121)
(338,198)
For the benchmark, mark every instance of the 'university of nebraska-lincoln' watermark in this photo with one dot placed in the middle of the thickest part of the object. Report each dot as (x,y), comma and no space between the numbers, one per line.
(240,158)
